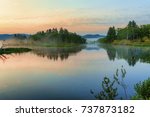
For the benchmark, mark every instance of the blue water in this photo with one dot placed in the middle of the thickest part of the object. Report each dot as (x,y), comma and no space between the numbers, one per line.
(71,73)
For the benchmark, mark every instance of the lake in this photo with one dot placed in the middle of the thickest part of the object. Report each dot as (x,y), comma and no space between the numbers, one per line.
(91,40)
(70,73)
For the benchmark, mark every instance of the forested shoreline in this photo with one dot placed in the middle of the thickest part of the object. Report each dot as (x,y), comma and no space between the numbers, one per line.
(131,34)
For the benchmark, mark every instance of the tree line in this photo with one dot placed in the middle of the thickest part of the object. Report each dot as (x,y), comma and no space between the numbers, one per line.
(20,36)
(58,36)
(131,32)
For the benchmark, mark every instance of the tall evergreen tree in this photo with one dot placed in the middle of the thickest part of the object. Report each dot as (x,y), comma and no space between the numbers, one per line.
(111,35)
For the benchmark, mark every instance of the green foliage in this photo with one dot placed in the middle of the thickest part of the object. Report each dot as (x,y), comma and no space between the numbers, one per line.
(109,91)
(38,36)
(145,31)
(110,87)
(142,90)
(132,24)
(111,35)
(131,32)
(58,36)
(103,40)
(13,50)
(122,33)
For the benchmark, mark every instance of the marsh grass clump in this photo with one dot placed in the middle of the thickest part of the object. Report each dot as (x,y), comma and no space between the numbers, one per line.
(110,86)
(142,90)
(109,92)
(14,50)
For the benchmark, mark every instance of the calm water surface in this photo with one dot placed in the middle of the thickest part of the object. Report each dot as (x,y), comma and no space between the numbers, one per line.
(70,73)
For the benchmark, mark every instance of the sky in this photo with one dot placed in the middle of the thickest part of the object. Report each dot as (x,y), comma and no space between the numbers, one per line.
(81,16)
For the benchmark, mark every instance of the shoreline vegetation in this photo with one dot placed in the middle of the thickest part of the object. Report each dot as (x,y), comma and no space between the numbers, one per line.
(132,35)
(54,37)
(13,50)
(110,88)
(49,38)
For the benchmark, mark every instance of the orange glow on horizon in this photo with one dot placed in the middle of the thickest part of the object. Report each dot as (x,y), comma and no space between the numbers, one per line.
(81,16)
(33,27)
(27,17)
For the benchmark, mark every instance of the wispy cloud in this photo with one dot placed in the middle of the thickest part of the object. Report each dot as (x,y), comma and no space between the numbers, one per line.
(77,15)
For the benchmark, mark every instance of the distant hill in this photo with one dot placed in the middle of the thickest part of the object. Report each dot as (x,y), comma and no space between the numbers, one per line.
(21,36)
(93,36)
(5,36)
(9,36)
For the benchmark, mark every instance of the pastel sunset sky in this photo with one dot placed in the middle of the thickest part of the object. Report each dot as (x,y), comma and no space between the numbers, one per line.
(81,16)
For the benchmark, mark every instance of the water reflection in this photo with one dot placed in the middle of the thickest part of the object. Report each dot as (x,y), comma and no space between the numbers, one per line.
(129,53)
(3,57)
(93,46)
(57,53)
(6,52)
(33,75)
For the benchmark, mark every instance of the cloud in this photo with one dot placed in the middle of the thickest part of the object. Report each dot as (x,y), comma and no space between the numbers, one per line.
(90,15)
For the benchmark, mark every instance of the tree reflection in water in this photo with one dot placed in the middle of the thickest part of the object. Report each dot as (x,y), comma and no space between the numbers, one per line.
(129,53)
(3,57)
(57,53)
(5,52)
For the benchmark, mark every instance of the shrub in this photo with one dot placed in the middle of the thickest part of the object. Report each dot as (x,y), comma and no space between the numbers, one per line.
(142,90)
(110,87)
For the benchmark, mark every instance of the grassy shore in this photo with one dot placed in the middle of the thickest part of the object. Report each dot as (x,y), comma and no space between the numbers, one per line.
(13,50)
(138,42)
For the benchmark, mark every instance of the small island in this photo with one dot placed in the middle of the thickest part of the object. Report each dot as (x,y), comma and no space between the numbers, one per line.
(56,38)
(132,34)
(49,38)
